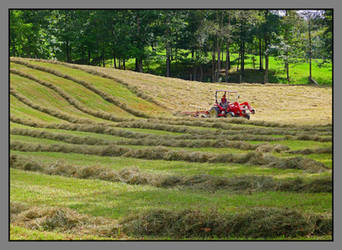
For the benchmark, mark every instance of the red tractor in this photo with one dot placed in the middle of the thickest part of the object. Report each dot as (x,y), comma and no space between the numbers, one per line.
(229,106)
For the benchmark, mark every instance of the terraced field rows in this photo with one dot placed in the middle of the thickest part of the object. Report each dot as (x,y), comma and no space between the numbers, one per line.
(93,157)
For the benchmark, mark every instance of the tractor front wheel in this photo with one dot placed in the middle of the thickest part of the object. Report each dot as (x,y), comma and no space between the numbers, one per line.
(247,116)
(213,113)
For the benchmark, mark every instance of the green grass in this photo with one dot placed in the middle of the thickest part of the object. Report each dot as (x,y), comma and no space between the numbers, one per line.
(204,149)
(166,167)
(73,89)
(106,85)
(117,200)
(33,140)
(19,109)
(21,233)
(297,144)
(153,131)
(46,97)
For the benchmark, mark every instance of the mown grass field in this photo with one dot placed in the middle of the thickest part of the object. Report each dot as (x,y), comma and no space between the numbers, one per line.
(100,154)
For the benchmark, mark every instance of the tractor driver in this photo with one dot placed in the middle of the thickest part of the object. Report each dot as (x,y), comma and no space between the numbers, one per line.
(224,102)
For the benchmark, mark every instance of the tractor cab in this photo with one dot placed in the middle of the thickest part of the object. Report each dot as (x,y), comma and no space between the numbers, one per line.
(227,105)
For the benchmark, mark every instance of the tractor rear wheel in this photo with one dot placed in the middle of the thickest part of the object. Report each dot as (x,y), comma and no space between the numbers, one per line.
(213,113)
(230,114)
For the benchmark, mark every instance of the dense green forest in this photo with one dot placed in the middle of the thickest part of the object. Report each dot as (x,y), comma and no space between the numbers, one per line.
(203,45)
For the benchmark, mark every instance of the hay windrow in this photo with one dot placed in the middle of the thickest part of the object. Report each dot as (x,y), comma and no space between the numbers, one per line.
(231,134)
(142,141)
(69,99)
(63,220)
(227,126)
(306,164)
(162,153)
(105,128)
(133,175)
(306,151)
(85,84)
(256,223)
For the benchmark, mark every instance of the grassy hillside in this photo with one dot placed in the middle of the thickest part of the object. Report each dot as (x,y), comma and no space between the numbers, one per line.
(98,153)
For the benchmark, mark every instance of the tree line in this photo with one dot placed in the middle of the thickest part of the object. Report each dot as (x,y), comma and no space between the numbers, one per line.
(200,42)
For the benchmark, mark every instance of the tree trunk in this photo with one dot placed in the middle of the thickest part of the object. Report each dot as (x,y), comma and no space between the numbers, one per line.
(124,63)
(218,60)
(242,57)
(67,51)
(168,61)
(213,65)
(138,61)
(260,56)
(287,71)
(114,61)
(194,75)
(201,73)
(238,62)
(140,65)
(103,55)
(310,50)
(12,44)
(227,63)
(266,64)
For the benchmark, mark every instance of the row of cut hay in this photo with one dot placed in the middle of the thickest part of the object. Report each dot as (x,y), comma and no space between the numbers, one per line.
(71,100)
(93,128)
(133,175)
(318,128)
(307,151)
(195,133)
(130,87)
(231,135)
(52,112)
(103,129)
(85,84)
(227,126)
(265,147)
(141,141)
(278,148)
(63,220)
(162,153)
(256,223)
(199,135)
